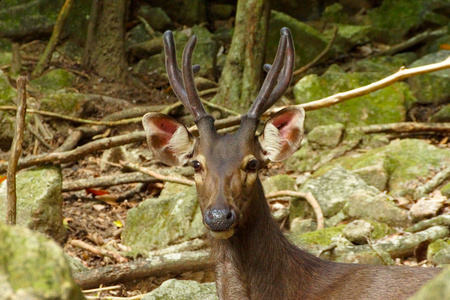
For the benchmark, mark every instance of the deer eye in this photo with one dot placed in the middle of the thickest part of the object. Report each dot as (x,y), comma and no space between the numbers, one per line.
(252,165)
(196,165)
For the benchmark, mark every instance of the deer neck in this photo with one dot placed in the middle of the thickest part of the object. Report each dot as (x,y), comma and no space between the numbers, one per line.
(258,262)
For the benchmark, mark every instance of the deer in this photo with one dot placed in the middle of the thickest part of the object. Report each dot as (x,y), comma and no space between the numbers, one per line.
(253,259)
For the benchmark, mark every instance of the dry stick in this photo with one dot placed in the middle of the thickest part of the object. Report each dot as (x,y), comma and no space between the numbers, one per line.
(318,57)
(156,175)
(106,181)
(75,119)
(309,198)
(399,75)
(79,152)
(175,263)
(106,288)
(403,127)
(16,149)
(46,56)
(39,137)
(433,183)
(98,251)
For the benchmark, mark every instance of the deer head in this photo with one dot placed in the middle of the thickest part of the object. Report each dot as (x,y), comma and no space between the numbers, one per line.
(226,166)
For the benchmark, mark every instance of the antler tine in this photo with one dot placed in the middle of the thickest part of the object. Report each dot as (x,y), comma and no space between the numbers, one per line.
(174,73)
(196,106)
(275,84)
(286,73)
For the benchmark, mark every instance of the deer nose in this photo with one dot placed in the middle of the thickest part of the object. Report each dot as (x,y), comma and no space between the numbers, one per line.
(220,219)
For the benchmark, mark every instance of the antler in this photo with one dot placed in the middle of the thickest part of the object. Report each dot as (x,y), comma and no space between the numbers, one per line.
(183,82)
(278,78)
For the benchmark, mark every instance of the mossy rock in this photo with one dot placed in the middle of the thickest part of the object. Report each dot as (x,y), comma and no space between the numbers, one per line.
(404,161)
(328,136)
(28,19)
(33,266)
(322,237)
(385,23)
(431,88)
(443,115)
(445,190)
(54,80)
(278,183)
(63,102)
(436,247)
(383,106)
(172,218)
(308,42)
(384,65)
(7,92)
(156,17)
(42,211)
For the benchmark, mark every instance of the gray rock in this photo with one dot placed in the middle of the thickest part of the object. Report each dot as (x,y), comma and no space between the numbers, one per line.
(326,136)
(33,267)
(443,115)
(332,190)
(156,17)
(183,289)
(39,200)
(54,80)
(403,163)
(425,208)
(172,218)
(358,231)
(364,204)
(431,88)
(299,226)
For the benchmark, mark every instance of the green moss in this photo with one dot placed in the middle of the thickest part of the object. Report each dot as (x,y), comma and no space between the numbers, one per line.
(7,93)
(380,230)
(435,247)
(54,80)
(320,237)
(67,103)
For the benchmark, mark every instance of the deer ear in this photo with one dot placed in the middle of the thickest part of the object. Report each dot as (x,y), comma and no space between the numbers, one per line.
(169,140)
(282,133)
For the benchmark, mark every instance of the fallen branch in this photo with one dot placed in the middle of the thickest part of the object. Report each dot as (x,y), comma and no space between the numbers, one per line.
(98,251)
(106,181)
(16,150)
(433,183)
(443,220)
(79,152)
(156,175)
(403,127)
(176,263)
(75,119)
(308,197)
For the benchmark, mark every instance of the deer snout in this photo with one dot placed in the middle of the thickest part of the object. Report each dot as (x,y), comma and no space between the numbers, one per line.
(220,222)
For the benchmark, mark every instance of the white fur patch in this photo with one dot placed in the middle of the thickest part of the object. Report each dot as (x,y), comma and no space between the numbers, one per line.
(271,141)
(181,144)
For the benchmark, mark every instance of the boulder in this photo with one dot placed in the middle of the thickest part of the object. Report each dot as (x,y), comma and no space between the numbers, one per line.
(33,267)
(383,106)
(39,201)
(173,217)
(437,288)
(278,183)
(431,88)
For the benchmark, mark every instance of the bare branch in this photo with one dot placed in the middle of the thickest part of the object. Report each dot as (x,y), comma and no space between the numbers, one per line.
(309,198)
(16,150)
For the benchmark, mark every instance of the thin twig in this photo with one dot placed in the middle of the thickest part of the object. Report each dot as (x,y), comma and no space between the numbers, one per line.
(39,137)
(318,57)
(16,150)
(99,251)
(46,56)
(156,175)
(102,289)
(402,127)
(309,198)
(137,297)
(75,119)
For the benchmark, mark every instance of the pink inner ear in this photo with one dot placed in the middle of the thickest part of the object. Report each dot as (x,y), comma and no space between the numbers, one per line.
(166,129)
(284,123)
